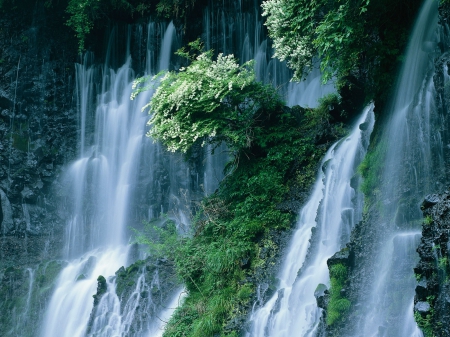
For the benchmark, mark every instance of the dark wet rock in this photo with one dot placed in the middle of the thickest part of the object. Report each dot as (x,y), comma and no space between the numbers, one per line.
(421,290)
(151,284)
(422,308)
(345,256)
(363,126)
(430,200)
(38,133)
(276,308)
(320,294)
(6,219)
(102,288)
(432,270)
(24,290)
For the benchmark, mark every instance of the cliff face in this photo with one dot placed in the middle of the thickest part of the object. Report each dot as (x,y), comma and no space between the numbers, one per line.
(432,292)
(38,131)
(432,300)
(38,125)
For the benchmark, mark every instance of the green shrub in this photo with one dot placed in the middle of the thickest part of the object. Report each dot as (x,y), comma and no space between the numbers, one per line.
(210,100)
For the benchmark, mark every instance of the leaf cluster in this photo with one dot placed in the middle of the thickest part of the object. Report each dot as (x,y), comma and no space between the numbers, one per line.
(85,14)
(211,100)
(360,39)
(332,30)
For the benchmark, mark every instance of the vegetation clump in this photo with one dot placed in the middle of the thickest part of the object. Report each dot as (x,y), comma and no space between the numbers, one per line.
(338,304)
(427,322)
(84,14)
(274,148)
(357,42)
(371,169)
(213,100)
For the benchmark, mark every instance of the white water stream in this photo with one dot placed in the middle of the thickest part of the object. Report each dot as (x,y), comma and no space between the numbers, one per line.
(333,208)
(102,183)
(242,34)
(410,140)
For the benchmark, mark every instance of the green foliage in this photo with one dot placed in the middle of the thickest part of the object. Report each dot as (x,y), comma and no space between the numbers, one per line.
(214,100)
(82,13)
(338,305)
(160,241)
(231,226)
(360,39)
(428,220)
(426,324)
(330,29)
(85,14)
(371,169)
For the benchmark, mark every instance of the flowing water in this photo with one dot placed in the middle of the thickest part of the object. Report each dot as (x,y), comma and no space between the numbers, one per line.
(334,207)
(413,152)
(102,184)
(243,34)
(116,163)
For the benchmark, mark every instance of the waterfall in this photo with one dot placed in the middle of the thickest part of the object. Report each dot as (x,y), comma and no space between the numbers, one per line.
(101,186)
(116,163)
(330,213)
(408,172)
(242,34)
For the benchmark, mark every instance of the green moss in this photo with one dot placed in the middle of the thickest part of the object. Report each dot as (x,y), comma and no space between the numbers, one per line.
(371,169)
(428,220)
(337,305)
(443,263)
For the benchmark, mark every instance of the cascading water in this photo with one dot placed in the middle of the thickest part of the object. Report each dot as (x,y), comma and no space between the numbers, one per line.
(102,183)
(409,142)
(242,34)
(333,208)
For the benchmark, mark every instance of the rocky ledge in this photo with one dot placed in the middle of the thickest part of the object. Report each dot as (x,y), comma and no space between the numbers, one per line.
(432,298)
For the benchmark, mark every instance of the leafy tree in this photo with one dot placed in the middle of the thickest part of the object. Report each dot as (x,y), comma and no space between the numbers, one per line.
(350,39)
(303,29)
(211,100)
